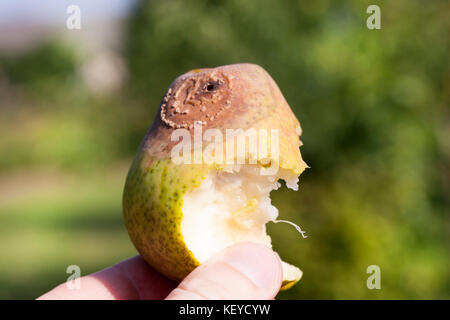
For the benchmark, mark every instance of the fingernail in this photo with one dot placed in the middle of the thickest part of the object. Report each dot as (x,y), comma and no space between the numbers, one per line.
(257,262)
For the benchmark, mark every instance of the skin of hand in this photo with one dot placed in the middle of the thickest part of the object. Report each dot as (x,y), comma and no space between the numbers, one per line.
(243,271)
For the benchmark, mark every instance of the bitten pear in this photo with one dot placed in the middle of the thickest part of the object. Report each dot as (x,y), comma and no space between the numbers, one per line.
(179,213)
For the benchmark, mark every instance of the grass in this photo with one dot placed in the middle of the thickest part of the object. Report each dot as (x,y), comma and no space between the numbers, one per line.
(55,219)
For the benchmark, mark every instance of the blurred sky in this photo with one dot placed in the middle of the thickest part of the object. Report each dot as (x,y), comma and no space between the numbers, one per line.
(50,12)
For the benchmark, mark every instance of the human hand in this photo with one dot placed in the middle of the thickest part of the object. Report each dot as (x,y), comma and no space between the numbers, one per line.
(244,271)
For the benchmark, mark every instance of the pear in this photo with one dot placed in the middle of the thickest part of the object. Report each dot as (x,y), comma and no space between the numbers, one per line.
(181,211)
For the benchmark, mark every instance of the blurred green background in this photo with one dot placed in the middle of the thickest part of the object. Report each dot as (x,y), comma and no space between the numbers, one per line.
(374,106)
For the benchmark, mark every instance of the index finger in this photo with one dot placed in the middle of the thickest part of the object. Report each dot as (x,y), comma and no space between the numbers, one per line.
(129,279)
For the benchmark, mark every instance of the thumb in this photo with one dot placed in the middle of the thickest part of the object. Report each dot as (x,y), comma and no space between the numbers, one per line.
(243,271)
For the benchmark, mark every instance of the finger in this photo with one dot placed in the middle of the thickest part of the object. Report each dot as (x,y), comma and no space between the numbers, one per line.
(243,271)
(130,279)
